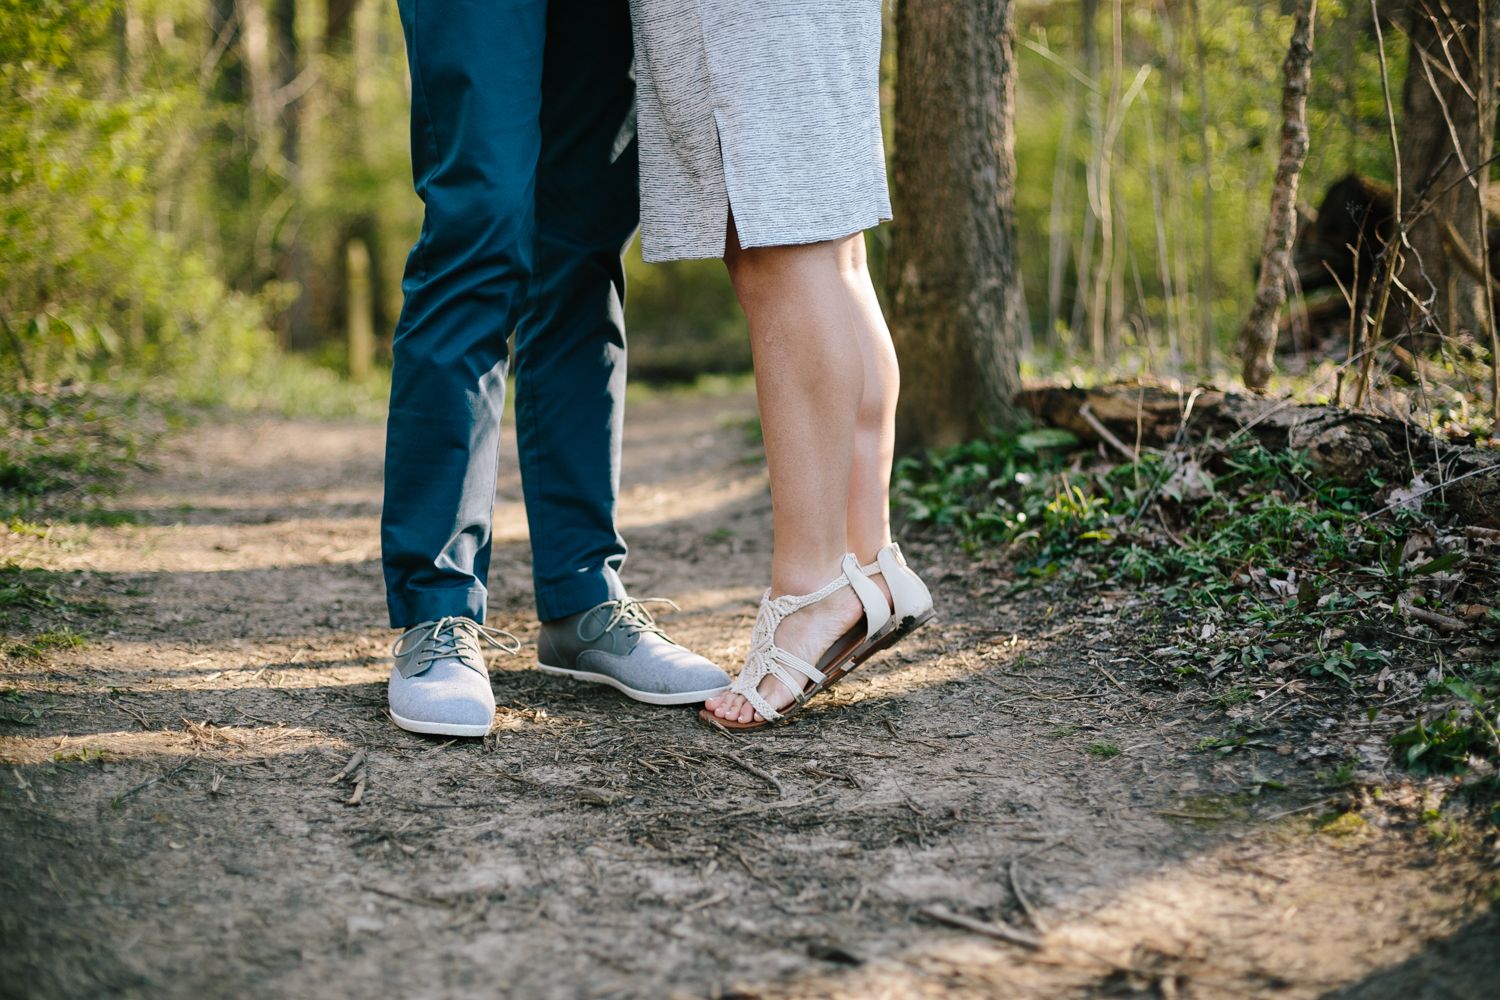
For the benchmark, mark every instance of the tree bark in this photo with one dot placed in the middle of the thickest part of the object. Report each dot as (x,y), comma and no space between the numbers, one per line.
(300,333)
(1206,283)
(1270,290)
(953,277)
(1489,34)
(1102,198)
(1440,121)
(1083,262)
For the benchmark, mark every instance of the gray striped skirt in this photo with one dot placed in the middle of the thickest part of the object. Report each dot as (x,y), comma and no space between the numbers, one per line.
(768,108)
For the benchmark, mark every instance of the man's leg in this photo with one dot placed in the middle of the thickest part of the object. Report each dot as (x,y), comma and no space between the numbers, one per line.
(570,345)
(570,369)
(476,68)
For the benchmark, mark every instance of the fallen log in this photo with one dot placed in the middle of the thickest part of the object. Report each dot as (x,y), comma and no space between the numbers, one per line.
(1346,444)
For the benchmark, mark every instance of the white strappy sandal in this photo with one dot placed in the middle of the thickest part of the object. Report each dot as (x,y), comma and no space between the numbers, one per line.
(878,629)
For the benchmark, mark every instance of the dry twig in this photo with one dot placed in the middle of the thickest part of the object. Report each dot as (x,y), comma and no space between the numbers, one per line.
(758,772)
(353,763)
(159,778)
(1104,432)
(359,788)
(1015,886)
(994,929)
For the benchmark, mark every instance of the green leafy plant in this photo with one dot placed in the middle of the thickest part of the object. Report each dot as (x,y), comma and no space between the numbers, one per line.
(1350,657)
(1231,741)
(1104,749)
(38,645)
(27,716)
(83,755)
(1233,697)
(1451,743)
(1340,776)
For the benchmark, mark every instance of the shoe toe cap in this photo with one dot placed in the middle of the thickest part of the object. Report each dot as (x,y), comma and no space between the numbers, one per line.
(454,696)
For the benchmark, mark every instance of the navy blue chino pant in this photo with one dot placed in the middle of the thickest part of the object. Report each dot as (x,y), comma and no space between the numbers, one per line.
(523,152)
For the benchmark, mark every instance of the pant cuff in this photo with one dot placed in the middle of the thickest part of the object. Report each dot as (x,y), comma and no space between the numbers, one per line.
(583,591)
(417,606)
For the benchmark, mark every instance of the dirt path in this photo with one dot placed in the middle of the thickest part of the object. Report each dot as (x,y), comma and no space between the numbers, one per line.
(169,829)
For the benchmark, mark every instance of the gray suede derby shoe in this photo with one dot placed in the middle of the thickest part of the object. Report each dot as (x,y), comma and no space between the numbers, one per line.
(618,643)
(439,683)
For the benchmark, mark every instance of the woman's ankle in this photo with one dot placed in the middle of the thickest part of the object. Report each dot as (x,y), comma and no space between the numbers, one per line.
(800,579)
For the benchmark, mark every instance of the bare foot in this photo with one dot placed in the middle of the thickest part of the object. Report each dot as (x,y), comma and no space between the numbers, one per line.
(808,634)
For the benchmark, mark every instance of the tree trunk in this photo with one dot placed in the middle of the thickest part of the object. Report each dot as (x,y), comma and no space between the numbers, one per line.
(953,278)
(300,334)
(1206,283)
(1101,193)
(1060,219)
(1489,35)
(361,311)
(1281,228)
(1083,269)
(1440,121)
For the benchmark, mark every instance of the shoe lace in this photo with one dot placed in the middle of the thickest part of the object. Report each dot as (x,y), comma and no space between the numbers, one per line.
(450,635)
(629,613)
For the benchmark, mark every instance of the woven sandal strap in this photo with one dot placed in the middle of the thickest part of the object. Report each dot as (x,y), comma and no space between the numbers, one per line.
(780,659)
(873,569)
(788,604)
(746,688)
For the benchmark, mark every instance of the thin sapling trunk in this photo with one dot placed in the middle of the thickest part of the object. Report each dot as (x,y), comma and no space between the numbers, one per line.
(1281,229)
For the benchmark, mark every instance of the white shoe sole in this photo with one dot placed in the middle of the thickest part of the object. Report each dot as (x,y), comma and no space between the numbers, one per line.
(441,728)
(649,697)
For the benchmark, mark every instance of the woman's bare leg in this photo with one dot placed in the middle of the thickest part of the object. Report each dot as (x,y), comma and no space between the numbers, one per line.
(869,509)
(810,385)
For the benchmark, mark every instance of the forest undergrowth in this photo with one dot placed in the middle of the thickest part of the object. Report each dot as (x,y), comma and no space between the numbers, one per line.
(1365,595)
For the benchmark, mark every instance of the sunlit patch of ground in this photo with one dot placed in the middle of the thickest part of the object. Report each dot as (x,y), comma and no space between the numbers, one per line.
(1294,912)
(201,741)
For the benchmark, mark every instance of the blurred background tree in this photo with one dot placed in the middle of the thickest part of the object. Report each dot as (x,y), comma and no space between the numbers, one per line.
(215,195)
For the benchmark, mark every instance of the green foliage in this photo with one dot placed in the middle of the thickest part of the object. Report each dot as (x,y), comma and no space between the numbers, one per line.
(1237,737)
(1264,510)
(62,450)
(25,590)
(1338,777)
(38,645)
(1159,164)
(683,320)
(26,715)
(1234,697)
(93,283)
(1350,657)
(83,755)
(1104,749)
(999,489)
(1461,737)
